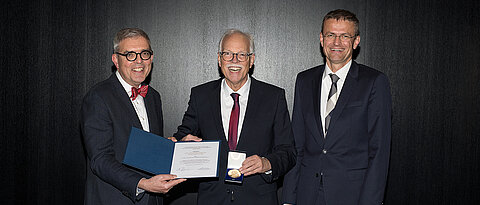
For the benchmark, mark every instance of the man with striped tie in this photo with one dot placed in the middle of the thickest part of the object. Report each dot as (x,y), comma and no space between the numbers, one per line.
(341,123)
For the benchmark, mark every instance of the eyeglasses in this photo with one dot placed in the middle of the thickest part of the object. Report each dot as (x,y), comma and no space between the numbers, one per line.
(132,56)
(228,56)
(332,37)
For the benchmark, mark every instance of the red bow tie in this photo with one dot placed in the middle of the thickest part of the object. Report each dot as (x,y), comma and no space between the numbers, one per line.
(139,91)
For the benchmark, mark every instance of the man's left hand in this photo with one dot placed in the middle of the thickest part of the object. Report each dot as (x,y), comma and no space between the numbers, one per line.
(255,164)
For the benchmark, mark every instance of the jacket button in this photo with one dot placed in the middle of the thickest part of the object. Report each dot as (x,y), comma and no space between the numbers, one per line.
(324,151)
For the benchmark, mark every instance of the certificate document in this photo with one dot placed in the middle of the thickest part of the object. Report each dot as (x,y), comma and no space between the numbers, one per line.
(157,155)
(195,159)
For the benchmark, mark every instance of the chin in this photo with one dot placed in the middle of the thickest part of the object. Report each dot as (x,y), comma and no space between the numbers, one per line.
(139,80)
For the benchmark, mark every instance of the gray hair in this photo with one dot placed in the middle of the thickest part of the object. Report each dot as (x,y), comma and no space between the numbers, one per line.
(129,33)
(233,31)
(345,15)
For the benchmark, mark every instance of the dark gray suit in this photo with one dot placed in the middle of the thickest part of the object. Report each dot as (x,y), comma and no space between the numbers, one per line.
(106,119)
(350,164)
(266,132)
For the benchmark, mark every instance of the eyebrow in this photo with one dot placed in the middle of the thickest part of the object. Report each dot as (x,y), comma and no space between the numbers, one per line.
(338,34)
(140,51)
(234,52)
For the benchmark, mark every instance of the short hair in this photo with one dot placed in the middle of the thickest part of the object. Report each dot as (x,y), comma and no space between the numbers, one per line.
(129,33)
(341,14)
(234,31)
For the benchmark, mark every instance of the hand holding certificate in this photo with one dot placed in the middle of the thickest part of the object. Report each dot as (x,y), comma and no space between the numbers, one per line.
(157,155)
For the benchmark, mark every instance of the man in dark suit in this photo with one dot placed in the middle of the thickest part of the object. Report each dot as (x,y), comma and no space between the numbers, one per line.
(110,109)
(260,127)
(341,123)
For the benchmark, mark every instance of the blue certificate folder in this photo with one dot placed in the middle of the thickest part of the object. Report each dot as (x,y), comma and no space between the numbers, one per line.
(149,152)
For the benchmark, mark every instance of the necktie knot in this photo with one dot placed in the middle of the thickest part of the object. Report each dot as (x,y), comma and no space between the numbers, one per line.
(334,78)
(139,91)
(235,97)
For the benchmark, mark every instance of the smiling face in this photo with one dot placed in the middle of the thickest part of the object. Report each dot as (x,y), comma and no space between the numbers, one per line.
(338,52)
(133,72)
(236,72)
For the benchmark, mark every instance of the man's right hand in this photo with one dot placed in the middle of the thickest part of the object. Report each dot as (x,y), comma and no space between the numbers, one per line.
(190,137)
(161,183)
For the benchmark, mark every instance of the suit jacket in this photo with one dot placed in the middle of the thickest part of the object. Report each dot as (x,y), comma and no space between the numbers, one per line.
(107,117)
(266,132)
(353,158)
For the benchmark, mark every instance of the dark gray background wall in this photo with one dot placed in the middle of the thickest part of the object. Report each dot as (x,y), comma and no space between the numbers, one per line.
(52,52)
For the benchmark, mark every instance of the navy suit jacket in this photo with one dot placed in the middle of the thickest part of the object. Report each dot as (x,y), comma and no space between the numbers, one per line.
(354,156)
(107,117)
(266,132)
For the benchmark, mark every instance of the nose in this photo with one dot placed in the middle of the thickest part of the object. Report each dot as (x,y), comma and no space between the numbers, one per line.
(235,58)
(337,40)
(138,58)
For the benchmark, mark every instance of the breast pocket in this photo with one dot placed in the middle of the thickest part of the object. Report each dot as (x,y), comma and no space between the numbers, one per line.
(356,174)
(354,104)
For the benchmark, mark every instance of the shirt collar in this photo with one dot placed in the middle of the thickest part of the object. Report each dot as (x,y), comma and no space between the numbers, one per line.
(125,85)
(243,91)
(341,73)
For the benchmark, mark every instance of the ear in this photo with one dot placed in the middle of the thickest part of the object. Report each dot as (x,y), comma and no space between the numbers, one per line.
(321,39)
(356,42)
(219,60)
(115,60)
(252,59)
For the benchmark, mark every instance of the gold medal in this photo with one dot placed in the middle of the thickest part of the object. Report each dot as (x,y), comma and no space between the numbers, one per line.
(234,173)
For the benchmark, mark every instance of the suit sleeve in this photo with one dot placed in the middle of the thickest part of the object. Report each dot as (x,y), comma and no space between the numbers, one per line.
(282,157)
(379,129)
(291,179)
(189,122)
(97,130)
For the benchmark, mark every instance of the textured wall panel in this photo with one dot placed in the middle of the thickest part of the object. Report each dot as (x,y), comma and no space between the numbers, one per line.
(53,52)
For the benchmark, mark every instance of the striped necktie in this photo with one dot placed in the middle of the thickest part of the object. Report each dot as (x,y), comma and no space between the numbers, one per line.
(332,100)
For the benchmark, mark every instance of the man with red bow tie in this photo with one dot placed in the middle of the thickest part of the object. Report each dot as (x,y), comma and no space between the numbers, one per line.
(109,110)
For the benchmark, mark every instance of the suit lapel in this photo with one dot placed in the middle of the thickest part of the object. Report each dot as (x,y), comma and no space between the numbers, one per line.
(254,97)
(347,90)
(122,96)
(316,93)
(217,114)
(151,113)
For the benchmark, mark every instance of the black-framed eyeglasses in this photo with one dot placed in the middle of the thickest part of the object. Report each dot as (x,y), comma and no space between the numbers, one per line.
(332,37)
(132,56)
(228,56)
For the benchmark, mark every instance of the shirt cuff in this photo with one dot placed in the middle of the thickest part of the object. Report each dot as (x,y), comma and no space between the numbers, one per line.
(269,171)
(139,190)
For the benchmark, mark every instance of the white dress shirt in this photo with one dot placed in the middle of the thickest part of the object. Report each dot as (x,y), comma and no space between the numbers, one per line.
(327,83)
(226,104)
(138,103)
(139,106)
